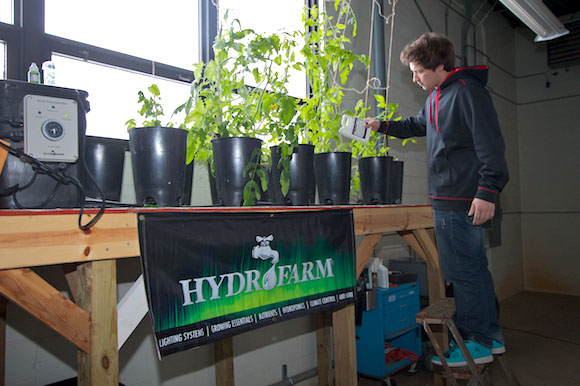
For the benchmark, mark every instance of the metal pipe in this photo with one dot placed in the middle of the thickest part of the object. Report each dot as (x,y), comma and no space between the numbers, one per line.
(296,378)
(379,51)
(465,26)
(424,17)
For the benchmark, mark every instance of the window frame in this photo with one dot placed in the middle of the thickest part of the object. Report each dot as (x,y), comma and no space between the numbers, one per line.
(27,42)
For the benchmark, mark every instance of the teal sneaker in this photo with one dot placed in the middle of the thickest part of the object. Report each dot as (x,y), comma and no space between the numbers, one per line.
(497,347)
(454,357)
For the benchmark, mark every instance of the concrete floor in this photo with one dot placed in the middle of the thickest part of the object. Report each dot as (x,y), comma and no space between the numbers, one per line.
(542,334)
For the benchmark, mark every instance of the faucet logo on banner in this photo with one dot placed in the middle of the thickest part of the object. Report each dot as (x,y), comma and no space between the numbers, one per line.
(264,251)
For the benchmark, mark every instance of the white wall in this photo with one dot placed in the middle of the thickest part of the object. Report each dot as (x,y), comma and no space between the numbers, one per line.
(548,130)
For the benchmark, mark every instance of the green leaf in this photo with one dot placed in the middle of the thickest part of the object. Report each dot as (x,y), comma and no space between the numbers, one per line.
(154,90)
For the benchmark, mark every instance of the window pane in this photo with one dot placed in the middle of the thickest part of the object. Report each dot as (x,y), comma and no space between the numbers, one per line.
(6,11)
(2,60)
(113,94)
(162,31)
(261,16)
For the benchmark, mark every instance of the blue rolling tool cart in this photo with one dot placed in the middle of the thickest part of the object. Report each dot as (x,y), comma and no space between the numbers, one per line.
(389,339)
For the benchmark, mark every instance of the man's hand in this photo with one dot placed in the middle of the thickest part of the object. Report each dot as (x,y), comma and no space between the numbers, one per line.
(481,211)
(373,124)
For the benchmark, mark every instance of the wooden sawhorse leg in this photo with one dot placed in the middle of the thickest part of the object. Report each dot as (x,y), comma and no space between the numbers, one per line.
(94,287)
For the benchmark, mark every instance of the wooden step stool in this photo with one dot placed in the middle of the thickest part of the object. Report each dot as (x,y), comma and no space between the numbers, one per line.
(442,312)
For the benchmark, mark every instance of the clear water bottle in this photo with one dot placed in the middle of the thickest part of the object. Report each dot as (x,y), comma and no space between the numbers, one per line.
(48,72)
(33,73)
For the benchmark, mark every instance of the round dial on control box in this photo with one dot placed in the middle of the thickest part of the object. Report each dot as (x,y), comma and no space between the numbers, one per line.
(52,130)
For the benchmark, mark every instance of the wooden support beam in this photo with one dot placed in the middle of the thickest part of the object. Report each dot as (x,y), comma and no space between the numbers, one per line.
(224,362)
(3,155)
(369,220)
(434,274)
(99,297)
(323,351)
(365,250)
(31,241)
(35,295)
(410,239)
(425,239)
(344,335)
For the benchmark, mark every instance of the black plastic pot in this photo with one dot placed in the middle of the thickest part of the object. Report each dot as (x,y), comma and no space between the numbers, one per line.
(332,171)
(230,157)
(158,158)
(375,176)
(302,189)
(212,185)
(396,191)
(105,158)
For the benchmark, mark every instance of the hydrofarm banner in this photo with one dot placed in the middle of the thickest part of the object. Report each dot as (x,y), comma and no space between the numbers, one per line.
(212,275)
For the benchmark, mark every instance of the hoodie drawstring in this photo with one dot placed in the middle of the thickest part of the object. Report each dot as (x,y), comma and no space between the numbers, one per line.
(437,110)
(430,112)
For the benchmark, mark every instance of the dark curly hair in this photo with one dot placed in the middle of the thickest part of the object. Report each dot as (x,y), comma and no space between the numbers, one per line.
(430,50)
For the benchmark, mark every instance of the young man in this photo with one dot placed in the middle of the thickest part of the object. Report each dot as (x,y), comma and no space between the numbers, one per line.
(467,170)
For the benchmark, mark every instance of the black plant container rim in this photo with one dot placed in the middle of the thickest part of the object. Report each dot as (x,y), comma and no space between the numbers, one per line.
(334,152)
(377,156)
(157,127)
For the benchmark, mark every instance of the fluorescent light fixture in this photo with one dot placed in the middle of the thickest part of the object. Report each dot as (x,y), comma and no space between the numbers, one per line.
(538,18)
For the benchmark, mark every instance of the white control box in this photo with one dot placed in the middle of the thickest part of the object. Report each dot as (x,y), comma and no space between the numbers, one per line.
(51,128)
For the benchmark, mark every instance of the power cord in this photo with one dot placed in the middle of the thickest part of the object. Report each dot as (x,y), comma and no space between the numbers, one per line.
(60,176)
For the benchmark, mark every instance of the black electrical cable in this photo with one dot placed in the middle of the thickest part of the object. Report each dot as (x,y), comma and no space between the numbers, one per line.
(61,177)
(103,201)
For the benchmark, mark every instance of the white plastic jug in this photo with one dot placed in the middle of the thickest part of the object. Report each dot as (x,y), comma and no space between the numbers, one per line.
(354,128)
(382,274)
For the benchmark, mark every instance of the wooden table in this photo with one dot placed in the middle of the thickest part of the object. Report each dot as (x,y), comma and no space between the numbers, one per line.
(32,238)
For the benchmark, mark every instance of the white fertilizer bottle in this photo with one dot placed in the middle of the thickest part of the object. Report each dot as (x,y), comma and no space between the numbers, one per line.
(33,73)
(354,128)
(49,73)
(382,274)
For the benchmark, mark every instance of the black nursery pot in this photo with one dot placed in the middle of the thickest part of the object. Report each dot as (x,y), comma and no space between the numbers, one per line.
(375,177)
(396,191)
(302,189)
(104,158)
(158,158)
(230,157)
(332,171)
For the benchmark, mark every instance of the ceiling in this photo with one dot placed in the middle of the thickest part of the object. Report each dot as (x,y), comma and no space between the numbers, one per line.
(558,7)
(563,7)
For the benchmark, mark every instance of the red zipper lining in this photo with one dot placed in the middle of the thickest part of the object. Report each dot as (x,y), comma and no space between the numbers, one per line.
(439,90)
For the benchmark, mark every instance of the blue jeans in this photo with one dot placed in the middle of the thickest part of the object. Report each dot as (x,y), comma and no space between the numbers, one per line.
(464,264)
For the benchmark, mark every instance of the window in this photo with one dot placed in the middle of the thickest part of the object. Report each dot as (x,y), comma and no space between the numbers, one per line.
(6,12)
(165,32)
(113,94)
(145,29)
(2,60)
(112,49)
(263,17)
